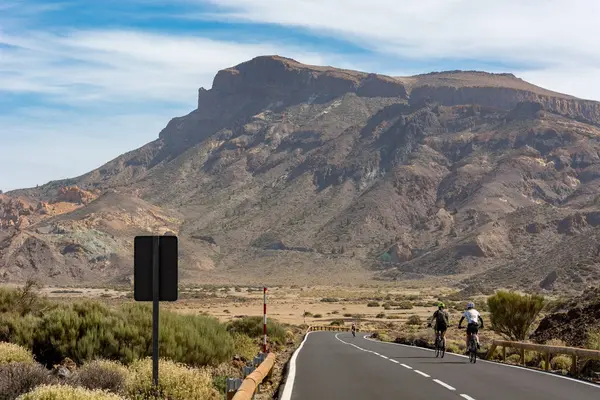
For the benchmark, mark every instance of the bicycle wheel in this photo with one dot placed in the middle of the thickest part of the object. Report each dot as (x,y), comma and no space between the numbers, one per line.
(443,351)
(437,349)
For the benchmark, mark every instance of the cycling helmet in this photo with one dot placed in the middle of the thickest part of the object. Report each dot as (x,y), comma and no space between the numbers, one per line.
(441,305)
(470,305)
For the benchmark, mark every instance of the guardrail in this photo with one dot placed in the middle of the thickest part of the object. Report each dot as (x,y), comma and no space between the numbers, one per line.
(330,328)
(254,375)
(546,350)
(261,368)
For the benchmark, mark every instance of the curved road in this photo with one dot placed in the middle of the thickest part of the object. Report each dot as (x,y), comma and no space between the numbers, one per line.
(332,366)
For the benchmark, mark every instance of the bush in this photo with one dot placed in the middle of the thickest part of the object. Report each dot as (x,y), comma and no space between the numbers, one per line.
(63,392)
(373,304)
(329,300)
(560,363)
(10,352)
(253,327)
(103,375)
(414,320)
(245,346)
(405,305)
(347,315)
(512,314)
(18,378)
(89,330)
(306,314)
(335,312)
(318,316)
(17,329)
(380,315)
(177,382)
(593,339)
(337,322)
(513,359)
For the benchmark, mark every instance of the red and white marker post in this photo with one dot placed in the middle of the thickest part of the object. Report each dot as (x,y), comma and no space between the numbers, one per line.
(265,319)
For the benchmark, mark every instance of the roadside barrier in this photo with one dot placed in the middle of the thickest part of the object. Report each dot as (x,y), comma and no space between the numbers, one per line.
(575,352)
(254,375)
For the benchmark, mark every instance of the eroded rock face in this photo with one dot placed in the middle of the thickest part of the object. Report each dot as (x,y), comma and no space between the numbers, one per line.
(73,194)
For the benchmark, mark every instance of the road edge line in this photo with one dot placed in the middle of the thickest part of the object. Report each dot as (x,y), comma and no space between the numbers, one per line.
(288,386)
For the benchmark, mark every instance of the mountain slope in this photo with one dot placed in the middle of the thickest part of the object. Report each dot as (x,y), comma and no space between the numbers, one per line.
(287,171)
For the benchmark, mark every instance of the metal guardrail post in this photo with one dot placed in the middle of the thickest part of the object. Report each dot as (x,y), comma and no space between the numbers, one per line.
(231,386)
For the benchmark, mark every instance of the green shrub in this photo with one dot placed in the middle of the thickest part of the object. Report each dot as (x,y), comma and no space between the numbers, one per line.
(245,346)
(335,312)
(405,305)
(10,352)
(63,392)
(177,382)
(513,359)
(253,327)
(380,315)
(512,314)
(318,316)
(337,322)
(560,363)
(347,315)
(387,306)
(17,329)
(306,314)
(102,374)
(373,304)
(329,300)
(414,320)
(593,339)
(18,378)
(89,330)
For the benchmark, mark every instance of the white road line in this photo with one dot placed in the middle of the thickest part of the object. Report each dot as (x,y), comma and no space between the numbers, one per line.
(384,357)
(422,373)
(366,337)
(444,384)
(464,396)
(394,361)
(406,366)
(291,376)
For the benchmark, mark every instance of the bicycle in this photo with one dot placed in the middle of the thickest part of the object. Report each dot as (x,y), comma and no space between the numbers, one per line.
(472,349)
(440,345)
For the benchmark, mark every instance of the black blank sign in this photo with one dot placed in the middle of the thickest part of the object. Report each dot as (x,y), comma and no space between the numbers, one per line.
(142,274)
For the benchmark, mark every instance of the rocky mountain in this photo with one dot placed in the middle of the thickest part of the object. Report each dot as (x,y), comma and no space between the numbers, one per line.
(289,172)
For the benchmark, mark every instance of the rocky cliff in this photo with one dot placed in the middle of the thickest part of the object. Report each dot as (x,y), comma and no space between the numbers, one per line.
(306,172)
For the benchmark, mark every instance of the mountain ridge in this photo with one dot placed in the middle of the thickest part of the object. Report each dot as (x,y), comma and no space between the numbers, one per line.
(328,170)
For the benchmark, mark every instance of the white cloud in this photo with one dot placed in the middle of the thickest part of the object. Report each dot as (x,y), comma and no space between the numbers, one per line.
(118,66)
(534,30)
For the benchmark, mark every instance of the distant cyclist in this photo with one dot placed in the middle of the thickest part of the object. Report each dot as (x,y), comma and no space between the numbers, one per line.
(353,329)
(441,318)
(473,318)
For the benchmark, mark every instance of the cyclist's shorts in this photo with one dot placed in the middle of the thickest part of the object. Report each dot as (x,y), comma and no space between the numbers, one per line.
(441,328)
(472,328)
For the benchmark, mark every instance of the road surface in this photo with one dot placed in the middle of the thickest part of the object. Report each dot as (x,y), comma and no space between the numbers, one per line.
(332,366)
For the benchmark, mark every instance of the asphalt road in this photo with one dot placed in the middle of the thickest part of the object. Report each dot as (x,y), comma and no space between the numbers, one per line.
(332,366)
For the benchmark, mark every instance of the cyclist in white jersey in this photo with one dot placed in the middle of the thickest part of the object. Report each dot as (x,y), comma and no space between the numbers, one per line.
(473,318)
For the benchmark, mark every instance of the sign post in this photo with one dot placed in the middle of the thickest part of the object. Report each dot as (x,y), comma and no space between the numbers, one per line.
(265,319)
(155,279)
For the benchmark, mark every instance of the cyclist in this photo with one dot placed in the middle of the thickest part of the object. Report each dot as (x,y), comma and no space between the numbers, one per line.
(441,322)
(353,329)
(473,318)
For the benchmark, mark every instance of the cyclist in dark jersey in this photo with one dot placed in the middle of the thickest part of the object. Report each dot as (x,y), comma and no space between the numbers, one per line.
(441,318)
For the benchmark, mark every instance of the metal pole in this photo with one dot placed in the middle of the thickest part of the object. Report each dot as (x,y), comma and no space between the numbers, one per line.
(265,319)
(155,304)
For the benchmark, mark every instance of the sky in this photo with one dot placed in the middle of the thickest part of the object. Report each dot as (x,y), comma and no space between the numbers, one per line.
(82,81)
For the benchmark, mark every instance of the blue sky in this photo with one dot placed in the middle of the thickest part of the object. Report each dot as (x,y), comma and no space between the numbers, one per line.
(84,81)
